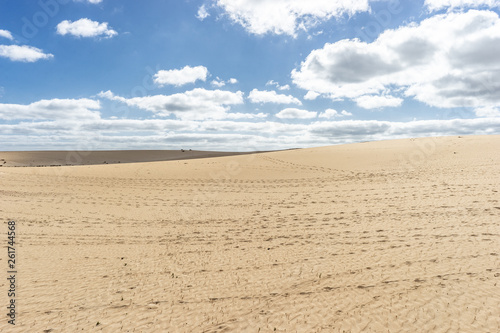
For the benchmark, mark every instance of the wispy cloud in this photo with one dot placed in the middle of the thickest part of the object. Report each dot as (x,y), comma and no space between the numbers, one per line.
(94,2)
(376,102)
(266,96)
(277,85)
(202,13)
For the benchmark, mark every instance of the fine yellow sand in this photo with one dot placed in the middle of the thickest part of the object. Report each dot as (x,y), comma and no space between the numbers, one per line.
(390,236)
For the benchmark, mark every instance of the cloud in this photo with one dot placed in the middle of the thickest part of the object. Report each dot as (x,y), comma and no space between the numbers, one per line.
(218,82)
(6,34)
(376,130)
(56,109)
(287,16)
(238,115)
(85,28)
(179,77)
(94,2)
(331,113)
(23,53)
(202,13)
(277,85)
(376,102)
(227,135)
(77,123)
(487,112)
(292,113)
(266,96)
(109,95)
(311,95)
(196,104)
(446,61)
(434,5)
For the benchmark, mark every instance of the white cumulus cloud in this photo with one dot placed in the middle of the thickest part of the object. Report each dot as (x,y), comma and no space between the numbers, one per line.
(179,77)
(292,113)
(85,28)
(449,60)
(266,96)
(196,104)
(23,53)
(287,16)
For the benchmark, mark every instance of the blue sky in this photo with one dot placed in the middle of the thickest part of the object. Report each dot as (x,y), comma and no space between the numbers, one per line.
(245,74)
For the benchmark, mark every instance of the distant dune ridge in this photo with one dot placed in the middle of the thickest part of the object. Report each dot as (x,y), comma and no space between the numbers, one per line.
(63,158)
(388,236)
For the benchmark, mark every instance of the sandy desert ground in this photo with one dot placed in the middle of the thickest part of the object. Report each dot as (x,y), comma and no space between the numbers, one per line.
(389,236)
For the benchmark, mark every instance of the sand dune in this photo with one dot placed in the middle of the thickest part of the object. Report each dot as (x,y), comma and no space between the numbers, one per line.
(389,236)
(63,158)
